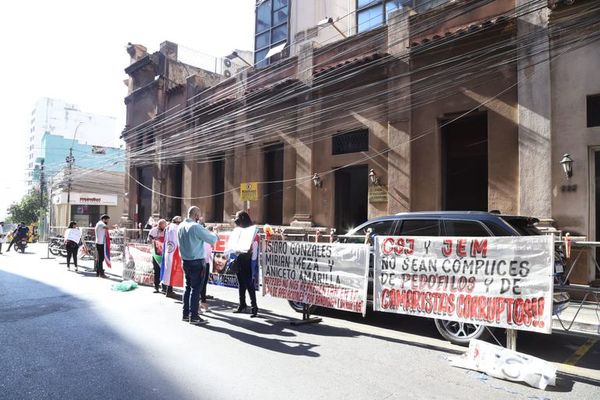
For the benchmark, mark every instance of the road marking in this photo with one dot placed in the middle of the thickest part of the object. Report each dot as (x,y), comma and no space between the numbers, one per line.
(580,352)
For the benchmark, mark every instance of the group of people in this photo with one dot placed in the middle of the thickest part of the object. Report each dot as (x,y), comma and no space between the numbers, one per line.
(73,239)
(195,245)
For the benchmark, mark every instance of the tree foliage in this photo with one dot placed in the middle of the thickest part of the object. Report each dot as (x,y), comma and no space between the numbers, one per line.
(29,208)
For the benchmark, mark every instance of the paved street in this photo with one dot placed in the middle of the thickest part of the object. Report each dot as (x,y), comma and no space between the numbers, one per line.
(68,336)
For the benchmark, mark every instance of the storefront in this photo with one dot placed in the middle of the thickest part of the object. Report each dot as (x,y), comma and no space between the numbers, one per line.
(85,208)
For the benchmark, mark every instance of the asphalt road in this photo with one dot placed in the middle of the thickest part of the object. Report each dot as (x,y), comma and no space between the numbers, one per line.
(66,335)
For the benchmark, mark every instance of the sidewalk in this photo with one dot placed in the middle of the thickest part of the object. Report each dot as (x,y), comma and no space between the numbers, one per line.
(579,319)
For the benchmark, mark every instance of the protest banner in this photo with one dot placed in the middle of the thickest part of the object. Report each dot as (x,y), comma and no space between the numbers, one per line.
(498,281)
(218,269)
(331,275)
(137,264)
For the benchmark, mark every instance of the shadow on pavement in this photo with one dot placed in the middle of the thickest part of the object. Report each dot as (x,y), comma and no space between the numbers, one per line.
(61,349)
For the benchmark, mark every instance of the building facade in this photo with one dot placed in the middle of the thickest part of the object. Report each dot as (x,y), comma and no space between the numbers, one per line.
(453,105)
(56,117)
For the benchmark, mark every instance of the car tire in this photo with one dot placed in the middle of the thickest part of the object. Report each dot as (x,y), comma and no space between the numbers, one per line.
(299,307)
(460,333)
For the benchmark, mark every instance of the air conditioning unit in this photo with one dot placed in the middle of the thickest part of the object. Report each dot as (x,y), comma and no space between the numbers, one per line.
(229,68)
(235,62)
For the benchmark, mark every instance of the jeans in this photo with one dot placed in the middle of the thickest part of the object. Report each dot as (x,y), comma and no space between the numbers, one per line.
(246,282)
(205,282)
(100,260)
(156,274)
(194,274)
(72,248)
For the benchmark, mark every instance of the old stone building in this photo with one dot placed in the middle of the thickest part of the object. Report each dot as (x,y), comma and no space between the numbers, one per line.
(464,105)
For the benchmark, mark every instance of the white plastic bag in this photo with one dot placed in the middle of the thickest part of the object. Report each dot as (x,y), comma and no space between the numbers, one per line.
(506,364)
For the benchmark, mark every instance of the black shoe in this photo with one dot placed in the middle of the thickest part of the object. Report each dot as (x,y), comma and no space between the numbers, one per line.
(185,318)
(156,291)
(240,310)
(197,321)
(254,313)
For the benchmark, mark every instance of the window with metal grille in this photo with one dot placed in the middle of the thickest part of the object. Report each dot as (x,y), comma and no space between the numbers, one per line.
(593,110)
(350,142)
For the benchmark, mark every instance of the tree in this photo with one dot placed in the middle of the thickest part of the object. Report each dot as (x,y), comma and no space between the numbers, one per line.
(29,208)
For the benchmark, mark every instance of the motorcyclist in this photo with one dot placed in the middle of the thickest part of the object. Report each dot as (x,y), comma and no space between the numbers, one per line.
(19,233)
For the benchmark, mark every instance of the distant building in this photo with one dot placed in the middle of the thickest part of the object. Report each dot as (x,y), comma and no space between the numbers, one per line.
(58,118)
(55,148)
(92,194)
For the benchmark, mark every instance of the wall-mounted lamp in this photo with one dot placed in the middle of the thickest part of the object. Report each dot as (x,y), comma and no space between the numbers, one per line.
(373,178)
(316,180)
(567,165)
(329,21)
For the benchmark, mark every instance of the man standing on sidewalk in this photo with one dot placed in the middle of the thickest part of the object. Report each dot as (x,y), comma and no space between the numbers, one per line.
(101,228)
(191,236)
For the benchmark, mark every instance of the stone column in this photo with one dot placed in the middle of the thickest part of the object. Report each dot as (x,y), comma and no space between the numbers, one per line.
(535,139)
(399,106)
(304,165)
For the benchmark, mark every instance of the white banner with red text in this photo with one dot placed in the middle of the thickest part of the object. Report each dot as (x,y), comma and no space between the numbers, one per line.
(505,282)
(331,275)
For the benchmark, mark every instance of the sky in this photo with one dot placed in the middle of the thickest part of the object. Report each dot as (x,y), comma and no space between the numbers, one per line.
(75,50)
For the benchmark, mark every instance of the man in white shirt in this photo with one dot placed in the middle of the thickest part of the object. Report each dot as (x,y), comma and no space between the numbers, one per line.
(101,227)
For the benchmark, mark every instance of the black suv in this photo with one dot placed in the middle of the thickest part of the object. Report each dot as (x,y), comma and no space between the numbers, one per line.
(457,223)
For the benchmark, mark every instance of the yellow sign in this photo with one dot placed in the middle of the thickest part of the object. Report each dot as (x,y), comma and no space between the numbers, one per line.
(378,194)
(249,191)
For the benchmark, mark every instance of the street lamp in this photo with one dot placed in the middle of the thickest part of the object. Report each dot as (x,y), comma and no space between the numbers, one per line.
(316,180)
(373,178)
(567,165)
(329,21)
(234,54)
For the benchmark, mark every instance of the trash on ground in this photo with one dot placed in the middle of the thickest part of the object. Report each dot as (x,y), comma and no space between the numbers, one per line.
(124,286)
(506,364)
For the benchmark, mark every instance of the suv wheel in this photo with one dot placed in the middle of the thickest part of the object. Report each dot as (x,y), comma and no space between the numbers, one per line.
(299,307)
(460,333)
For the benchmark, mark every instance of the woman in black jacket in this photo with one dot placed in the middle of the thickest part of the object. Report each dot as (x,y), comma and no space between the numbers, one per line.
(247,267)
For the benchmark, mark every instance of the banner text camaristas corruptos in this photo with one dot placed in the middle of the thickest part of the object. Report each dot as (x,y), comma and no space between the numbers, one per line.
(498,281)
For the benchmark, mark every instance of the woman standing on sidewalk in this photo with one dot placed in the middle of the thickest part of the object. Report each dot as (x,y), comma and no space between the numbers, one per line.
(247,267)
(72,242)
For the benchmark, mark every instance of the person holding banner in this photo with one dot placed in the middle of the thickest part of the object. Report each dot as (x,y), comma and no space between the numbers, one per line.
(101,234)
(157,238)
(170,269)
(246,265)
(191,236)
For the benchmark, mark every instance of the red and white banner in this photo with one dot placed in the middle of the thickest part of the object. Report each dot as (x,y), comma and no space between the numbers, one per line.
(499,281)
(331,275)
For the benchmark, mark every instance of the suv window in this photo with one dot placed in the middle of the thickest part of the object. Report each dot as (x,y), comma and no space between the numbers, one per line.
(525,226)
(380,228)
(497,230)
(420,227)
(464,228)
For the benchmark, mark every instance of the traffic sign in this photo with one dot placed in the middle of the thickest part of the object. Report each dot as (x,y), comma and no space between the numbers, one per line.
(249,191)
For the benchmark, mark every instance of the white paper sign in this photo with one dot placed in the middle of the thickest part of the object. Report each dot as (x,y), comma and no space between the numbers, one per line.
(331,275)
(240,239)
(498,281)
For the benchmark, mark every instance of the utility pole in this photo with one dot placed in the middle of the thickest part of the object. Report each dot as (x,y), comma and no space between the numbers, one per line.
(42,190)
(70,161)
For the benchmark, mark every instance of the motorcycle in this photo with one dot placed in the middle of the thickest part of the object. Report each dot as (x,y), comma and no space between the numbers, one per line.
(57,246)
(21,244)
